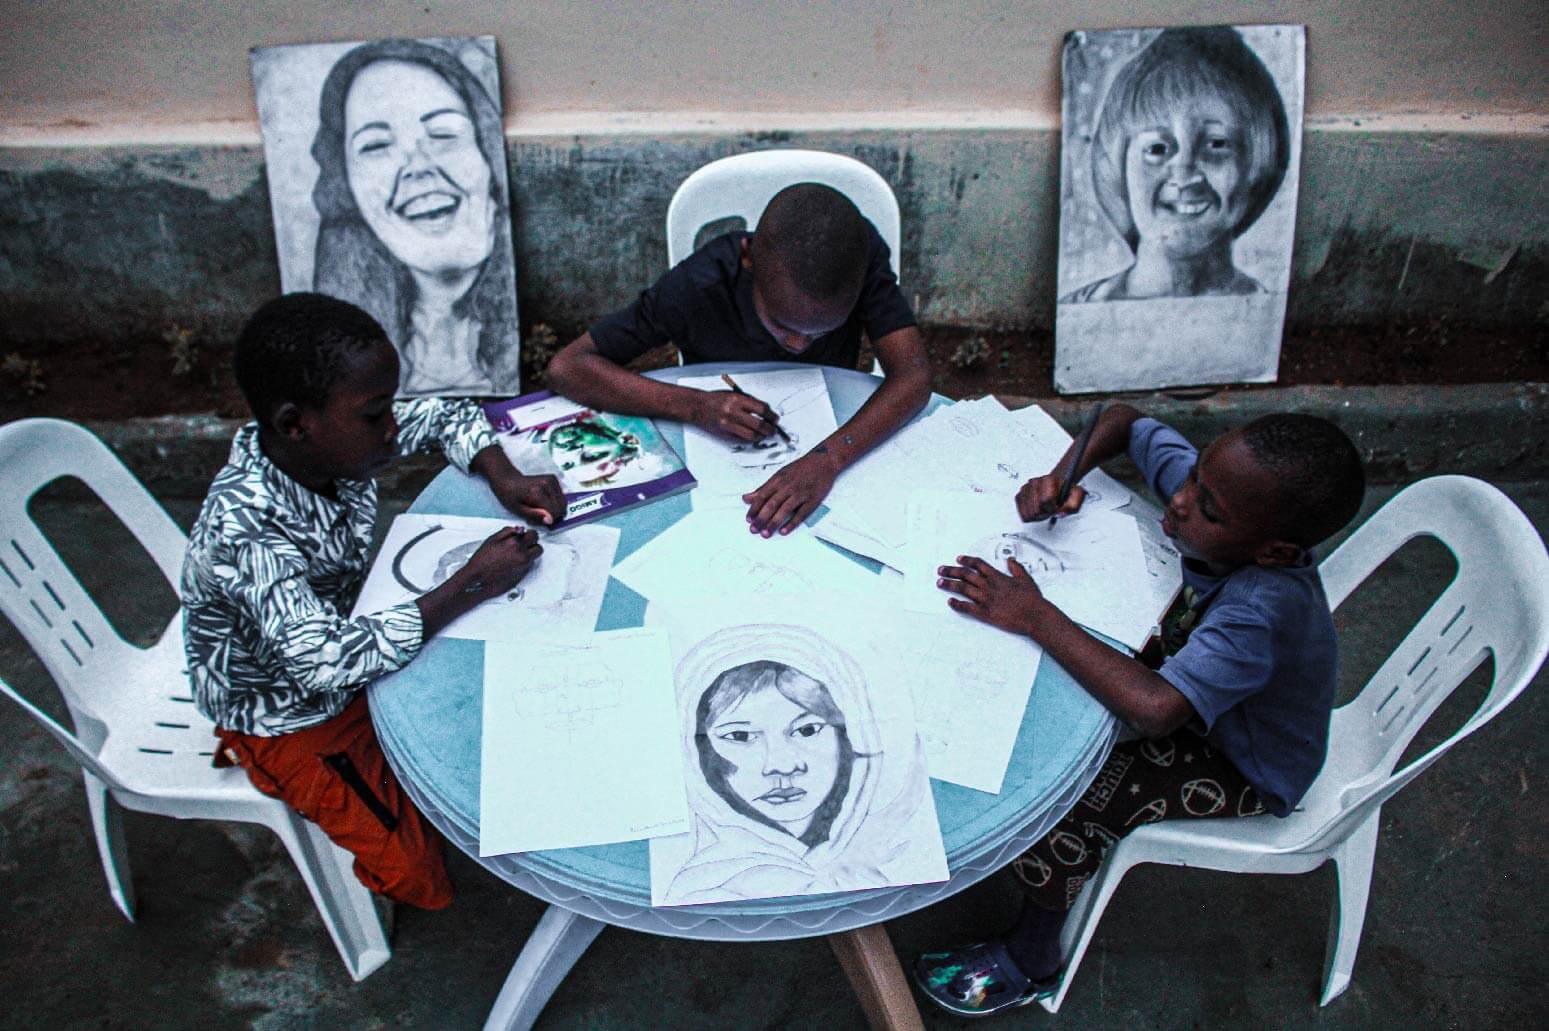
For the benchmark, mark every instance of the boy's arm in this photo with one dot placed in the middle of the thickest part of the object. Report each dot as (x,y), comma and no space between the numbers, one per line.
(323,652)
(795,492)
(461,431)
(1144,700)
(1039,497)
(583,373)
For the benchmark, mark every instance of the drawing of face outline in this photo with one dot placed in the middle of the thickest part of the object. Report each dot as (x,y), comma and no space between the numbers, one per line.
(785,759)
(415,168)
(1187,179)
(1034,555)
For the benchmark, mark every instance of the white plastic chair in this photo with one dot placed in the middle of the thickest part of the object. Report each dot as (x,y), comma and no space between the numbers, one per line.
(1497,603)
(137,734)
(743,184)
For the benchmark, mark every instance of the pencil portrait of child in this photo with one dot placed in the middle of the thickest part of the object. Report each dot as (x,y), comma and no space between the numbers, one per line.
(1178,204)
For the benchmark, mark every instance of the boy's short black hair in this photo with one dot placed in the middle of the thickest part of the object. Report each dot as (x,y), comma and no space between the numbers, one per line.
(294,347)
(819,237)
(1321,482)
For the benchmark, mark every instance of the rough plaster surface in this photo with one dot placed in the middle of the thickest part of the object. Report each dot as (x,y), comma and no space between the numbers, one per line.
(188,61)
(125,242)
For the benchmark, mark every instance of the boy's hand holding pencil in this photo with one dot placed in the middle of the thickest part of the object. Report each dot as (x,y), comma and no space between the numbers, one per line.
(734,415)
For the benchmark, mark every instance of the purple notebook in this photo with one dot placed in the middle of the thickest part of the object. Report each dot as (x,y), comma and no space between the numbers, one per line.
(605,462)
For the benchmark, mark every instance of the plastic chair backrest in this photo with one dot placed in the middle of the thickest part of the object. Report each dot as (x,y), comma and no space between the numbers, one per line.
(742,185)
(1498,603)
(39,594)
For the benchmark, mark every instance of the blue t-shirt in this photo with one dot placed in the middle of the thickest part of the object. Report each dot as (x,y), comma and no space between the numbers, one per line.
(1259,667)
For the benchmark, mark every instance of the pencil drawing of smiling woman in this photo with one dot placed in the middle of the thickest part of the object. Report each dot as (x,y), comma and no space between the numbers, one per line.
(1191,146)
(415,226)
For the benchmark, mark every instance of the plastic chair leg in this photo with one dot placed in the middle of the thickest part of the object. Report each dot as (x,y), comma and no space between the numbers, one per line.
(346,905)
(551,950)
(1353,869)
(107,822)
(1081,922)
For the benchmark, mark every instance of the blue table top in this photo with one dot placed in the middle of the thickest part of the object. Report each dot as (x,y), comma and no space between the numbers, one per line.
(428,716)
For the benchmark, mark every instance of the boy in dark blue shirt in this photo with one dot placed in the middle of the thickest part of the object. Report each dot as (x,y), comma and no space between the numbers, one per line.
(1234,721)
(802,288)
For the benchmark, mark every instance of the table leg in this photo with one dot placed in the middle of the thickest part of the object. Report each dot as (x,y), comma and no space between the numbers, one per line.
(869,962)
(551,950)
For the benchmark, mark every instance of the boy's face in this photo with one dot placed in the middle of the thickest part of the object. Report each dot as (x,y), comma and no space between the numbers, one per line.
(352,435)
(1225,512)
(790,316)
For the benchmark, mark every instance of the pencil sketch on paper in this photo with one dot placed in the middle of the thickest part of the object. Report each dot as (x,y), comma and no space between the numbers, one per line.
(577,743)
(387,175)
(561,594)
(570,703)
(806,415)
(1178,204)
(432,545)
(797,783)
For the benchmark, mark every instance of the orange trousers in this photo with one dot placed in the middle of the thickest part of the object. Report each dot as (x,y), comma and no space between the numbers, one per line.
(335,775)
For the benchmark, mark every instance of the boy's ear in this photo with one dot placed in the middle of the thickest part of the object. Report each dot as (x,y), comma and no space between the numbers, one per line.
(1276,554)
(287,421)
(747,252)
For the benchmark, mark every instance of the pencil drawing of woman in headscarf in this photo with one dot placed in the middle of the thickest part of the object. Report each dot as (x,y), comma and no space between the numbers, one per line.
(415,223)
(1191,146)
(795,794)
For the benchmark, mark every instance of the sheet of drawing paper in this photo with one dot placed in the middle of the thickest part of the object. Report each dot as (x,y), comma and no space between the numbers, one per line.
(1164,566)
(710,552)
(802,758)
(970,684)
(579,743)
(798,396)
(1090,564)
(1047,442)
(838,530)
(560,597)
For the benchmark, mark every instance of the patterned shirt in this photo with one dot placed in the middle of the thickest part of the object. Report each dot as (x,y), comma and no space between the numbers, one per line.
(273,568)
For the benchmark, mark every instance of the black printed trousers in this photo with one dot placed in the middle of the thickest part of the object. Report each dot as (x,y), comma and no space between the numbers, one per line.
(1178,777)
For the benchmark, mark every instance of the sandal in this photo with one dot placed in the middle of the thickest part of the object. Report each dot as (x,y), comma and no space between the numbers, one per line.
(977,980)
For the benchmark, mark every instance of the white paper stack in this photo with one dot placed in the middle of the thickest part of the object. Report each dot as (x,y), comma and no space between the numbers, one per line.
(974,446)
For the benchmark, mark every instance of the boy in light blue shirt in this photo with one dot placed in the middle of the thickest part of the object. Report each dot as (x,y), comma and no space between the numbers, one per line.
(1234,719)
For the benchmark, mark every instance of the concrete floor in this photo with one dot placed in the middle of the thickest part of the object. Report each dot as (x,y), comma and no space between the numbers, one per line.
(228,937)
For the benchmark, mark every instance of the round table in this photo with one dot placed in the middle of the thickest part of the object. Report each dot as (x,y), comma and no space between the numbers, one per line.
(428,717)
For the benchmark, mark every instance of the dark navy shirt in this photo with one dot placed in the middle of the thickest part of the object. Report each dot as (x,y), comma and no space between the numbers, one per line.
(1259,667)
(705,306)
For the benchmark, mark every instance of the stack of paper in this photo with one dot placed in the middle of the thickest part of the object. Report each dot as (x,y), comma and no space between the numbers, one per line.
(1088,564)
(710,552)
(975,446)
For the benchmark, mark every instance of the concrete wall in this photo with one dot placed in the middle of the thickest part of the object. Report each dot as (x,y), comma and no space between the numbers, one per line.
(132,196)
(129,241)
(149,66)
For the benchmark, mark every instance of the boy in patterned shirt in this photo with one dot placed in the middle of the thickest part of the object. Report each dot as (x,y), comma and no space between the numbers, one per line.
(276,559)
(1233,721)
